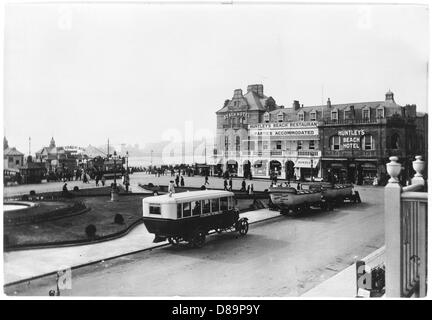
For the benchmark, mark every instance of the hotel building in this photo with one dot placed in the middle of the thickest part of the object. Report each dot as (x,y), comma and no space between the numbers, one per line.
(256,136)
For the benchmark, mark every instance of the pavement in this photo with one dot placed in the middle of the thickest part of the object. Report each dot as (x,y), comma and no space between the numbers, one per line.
(20,265)
(25,264)
(343,284)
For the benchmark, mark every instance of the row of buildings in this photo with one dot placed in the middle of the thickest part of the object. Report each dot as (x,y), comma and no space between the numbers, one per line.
(350,142)
(55,162)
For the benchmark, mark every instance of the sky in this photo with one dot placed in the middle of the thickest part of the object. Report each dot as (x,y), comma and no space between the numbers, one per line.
(137,73)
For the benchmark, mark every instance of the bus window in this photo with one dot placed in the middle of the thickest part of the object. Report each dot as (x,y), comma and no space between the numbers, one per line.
(179,210)
(196,208)
(206,206)
(215,205)
(155,209)
(230,203)
(224,203)
(186,209)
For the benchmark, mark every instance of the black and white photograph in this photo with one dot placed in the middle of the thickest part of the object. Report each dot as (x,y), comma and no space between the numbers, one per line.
(215,150)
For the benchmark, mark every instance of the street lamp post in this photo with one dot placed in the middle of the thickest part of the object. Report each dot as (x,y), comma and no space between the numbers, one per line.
(127,161)
(311,169)
(114,191)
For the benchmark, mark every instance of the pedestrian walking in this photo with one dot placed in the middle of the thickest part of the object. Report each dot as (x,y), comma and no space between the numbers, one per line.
(225,184)
(103,179)
(85,180)
(251,190)
(230,184)
(182,183)
(177,180)
(206,180)
(97,180)
(243,185)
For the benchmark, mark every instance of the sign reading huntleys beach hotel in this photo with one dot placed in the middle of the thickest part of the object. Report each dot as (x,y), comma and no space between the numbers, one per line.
(288,130)
(351,138)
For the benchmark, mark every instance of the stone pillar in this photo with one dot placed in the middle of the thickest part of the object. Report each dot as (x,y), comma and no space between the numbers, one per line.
(392,220)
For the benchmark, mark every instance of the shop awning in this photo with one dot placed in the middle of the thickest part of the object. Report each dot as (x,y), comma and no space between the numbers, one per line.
(306,163)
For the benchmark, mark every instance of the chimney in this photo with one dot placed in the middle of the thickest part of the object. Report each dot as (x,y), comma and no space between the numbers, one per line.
(238,93)
(296,105)
(257,88)
(328,103)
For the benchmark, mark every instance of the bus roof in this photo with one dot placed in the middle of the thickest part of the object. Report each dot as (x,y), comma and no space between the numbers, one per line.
(188,196)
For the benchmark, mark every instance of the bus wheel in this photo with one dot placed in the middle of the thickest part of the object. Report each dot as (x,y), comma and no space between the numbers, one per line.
(243,226)
(198,239)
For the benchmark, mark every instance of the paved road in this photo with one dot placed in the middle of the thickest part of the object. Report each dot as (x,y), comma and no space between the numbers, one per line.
(279,257)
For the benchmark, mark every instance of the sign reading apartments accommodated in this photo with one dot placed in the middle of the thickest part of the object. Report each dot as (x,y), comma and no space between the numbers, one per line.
(288,130)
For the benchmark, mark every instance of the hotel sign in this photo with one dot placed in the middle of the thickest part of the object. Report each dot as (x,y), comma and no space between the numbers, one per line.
(236,114)
(351,138)
(287,130)
(284,125)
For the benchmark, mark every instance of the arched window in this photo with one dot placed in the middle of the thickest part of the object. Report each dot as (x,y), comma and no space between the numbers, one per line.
(335,143)
(395,141)
(226,143)
(266,117)
(368,142)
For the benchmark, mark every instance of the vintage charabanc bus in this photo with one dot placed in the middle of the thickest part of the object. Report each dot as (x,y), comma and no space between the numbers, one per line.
(190,216)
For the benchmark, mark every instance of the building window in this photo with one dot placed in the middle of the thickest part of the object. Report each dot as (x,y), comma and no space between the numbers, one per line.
(265,145)
(266,117)
(299,145)
(347,114)
(17,162)
(368,142)
(300,116)
(226,143)
(335,143)
(366,114)
(380,113)
(395,141)
(237,143)
(10,159)
(311,144)
(334,115)
(280,117)
(313,116)
(278,145)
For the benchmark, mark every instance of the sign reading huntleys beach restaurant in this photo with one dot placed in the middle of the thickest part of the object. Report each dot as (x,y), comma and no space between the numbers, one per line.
(351,138)
(289,130)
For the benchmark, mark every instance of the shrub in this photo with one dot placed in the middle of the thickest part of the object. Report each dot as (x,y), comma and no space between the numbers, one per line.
(76,188)
(32,192)
(90,231)
(151,185)
(118,219)
(24,197)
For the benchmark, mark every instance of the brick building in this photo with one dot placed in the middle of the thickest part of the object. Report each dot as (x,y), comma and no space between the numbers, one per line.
(256,136)
(358,138)
(350,141)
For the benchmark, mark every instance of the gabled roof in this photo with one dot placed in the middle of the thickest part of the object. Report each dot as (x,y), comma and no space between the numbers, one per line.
(93,152)
(12,152)
(251,101)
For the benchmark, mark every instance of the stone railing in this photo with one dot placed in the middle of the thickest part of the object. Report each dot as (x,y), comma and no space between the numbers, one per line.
(405,233)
